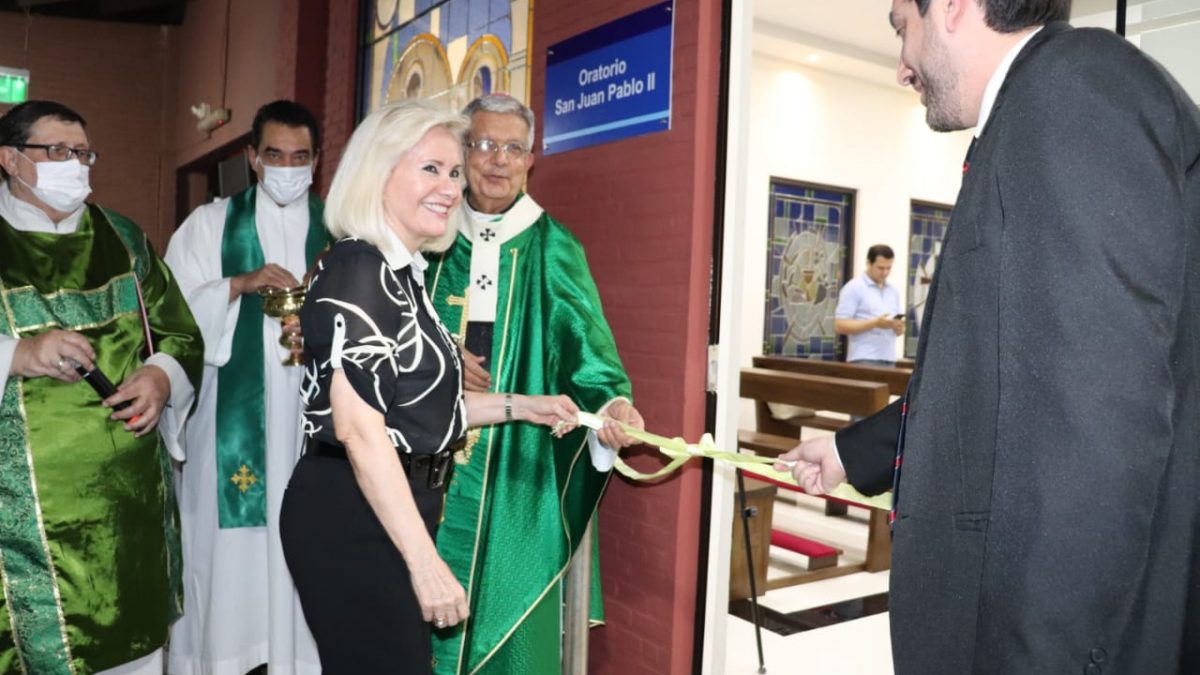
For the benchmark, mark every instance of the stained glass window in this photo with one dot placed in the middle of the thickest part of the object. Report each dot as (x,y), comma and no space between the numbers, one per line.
(809,235)
(928,225)
(448,50)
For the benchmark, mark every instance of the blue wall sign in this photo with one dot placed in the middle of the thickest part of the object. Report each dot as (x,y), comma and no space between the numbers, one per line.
(611,82)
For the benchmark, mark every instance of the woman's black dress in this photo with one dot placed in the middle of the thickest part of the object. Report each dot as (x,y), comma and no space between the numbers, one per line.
(368,315)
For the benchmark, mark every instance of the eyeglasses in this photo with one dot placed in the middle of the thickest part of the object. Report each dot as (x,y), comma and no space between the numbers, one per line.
(486,146)
(61,153)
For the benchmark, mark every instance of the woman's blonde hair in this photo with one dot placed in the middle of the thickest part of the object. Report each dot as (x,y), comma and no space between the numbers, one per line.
(354,207)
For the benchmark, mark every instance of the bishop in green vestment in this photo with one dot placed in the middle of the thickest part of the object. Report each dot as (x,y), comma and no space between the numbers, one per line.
(89,545)
(515,288)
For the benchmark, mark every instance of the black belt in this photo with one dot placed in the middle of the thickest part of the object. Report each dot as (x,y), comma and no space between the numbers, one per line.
(433,469)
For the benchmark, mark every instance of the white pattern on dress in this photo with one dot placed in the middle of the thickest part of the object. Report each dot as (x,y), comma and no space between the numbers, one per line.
(403,353)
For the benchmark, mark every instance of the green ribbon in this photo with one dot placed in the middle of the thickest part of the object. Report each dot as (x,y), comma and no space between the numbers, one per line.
(681,452)
(241,382)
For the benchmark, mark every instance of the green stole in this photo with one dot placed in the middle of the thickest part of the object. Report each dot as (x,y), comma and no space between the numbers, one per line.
(89,545)
(241,382)
(520,500)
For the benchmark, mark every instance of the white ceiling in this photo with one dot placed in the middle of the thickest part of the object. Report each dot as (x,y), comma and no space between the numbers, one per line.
(861,24)
(853,37)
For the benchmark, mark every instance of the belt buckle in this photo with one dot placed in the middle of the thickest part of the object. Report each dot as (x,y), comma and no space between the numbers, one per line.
(439,466)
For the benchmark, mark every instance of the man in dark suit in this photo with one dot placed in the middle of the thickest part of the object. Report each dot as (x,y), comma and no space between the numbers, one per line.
(1047,488)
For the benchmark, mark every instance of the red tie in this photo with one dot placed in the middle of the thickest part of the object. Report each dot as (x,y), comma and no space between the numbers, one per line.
(970,151)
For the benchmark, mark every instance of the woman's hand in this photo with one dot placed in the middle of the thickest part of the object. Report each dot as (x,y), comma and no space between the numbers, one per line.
(442,599)
(557,412)
(380,476)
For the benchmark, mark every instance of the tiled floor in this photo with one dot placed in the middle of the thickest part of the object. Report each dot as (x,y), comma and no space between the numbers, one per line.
(858,646)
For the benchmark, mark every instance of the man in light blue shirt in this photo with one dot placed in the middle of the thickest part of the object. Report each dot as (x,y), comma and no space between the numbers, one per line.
(869,312)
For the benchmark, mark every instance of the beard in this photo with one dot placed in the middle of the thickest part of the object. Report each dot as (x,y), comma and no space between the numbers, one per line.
(939,89)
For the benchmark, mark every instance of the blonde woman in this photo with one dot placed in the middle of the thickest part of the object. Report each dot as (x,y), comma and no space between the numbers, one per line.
(384,404)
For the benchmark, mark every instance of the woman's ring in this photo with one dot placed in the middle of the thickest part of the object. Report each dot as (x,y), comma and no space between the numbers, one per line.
(61,362)
(439,622)
(558,427)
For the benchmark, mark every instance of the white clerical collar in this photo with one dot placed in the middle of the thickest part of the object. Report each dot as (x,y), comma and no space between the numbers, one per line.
(997,80)
(488,232)
(26,217)
(500,227)
(479,216)
(399,257)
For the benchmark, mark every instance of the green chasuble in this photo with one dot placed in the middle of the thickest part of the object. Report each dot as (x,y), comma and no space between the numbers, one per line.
(520,499)
(89,544)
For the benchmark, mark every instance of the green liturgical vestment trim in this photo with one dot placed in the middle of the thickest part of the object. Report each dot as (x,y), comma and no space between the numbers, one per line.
(516,510)
(241,382)
(89,545)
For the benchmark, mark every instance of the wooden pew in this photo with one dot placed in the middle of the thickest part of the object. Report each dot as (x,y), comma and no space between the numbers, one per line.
(895,378)
(773,437)
(879,545)
(820,392)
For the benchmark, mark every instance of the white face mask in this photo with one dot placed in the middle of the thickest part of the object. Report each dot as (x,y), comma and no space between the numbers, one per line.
(286,184)
(63,186)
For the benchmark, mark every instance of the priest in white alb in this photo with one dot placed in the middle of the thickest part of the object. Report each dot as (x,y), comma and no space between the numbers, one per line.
(240,607)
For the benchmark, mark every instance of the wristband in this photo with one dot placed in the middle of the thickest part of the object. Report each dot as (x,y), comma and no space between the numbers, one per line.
(508,416)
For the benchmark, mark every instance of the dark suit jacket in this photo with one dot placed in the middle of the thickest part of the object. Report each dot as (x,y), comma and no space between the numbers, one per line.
(1048,500)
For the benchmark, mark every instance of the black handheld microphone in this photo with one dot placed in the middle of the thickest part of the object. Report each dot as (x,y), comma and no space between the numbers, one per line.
(103,386)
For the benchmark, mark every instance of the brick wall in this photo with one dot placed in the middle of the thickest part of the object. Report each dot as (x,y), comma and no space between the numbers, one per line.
(304,50)
(118,76)
(341,54)
(134,84)
(643,208)
(239,68)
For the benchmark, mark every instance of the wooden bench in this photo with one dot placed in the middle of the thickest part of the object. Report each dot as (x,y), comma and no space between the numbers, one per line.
(895,378)
(819,392)
(760,504)
(879,545)
(773,437)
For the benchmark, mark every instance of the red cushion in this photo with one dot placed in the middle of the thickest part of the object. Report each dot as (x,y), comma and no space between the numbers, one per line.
(807,547)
